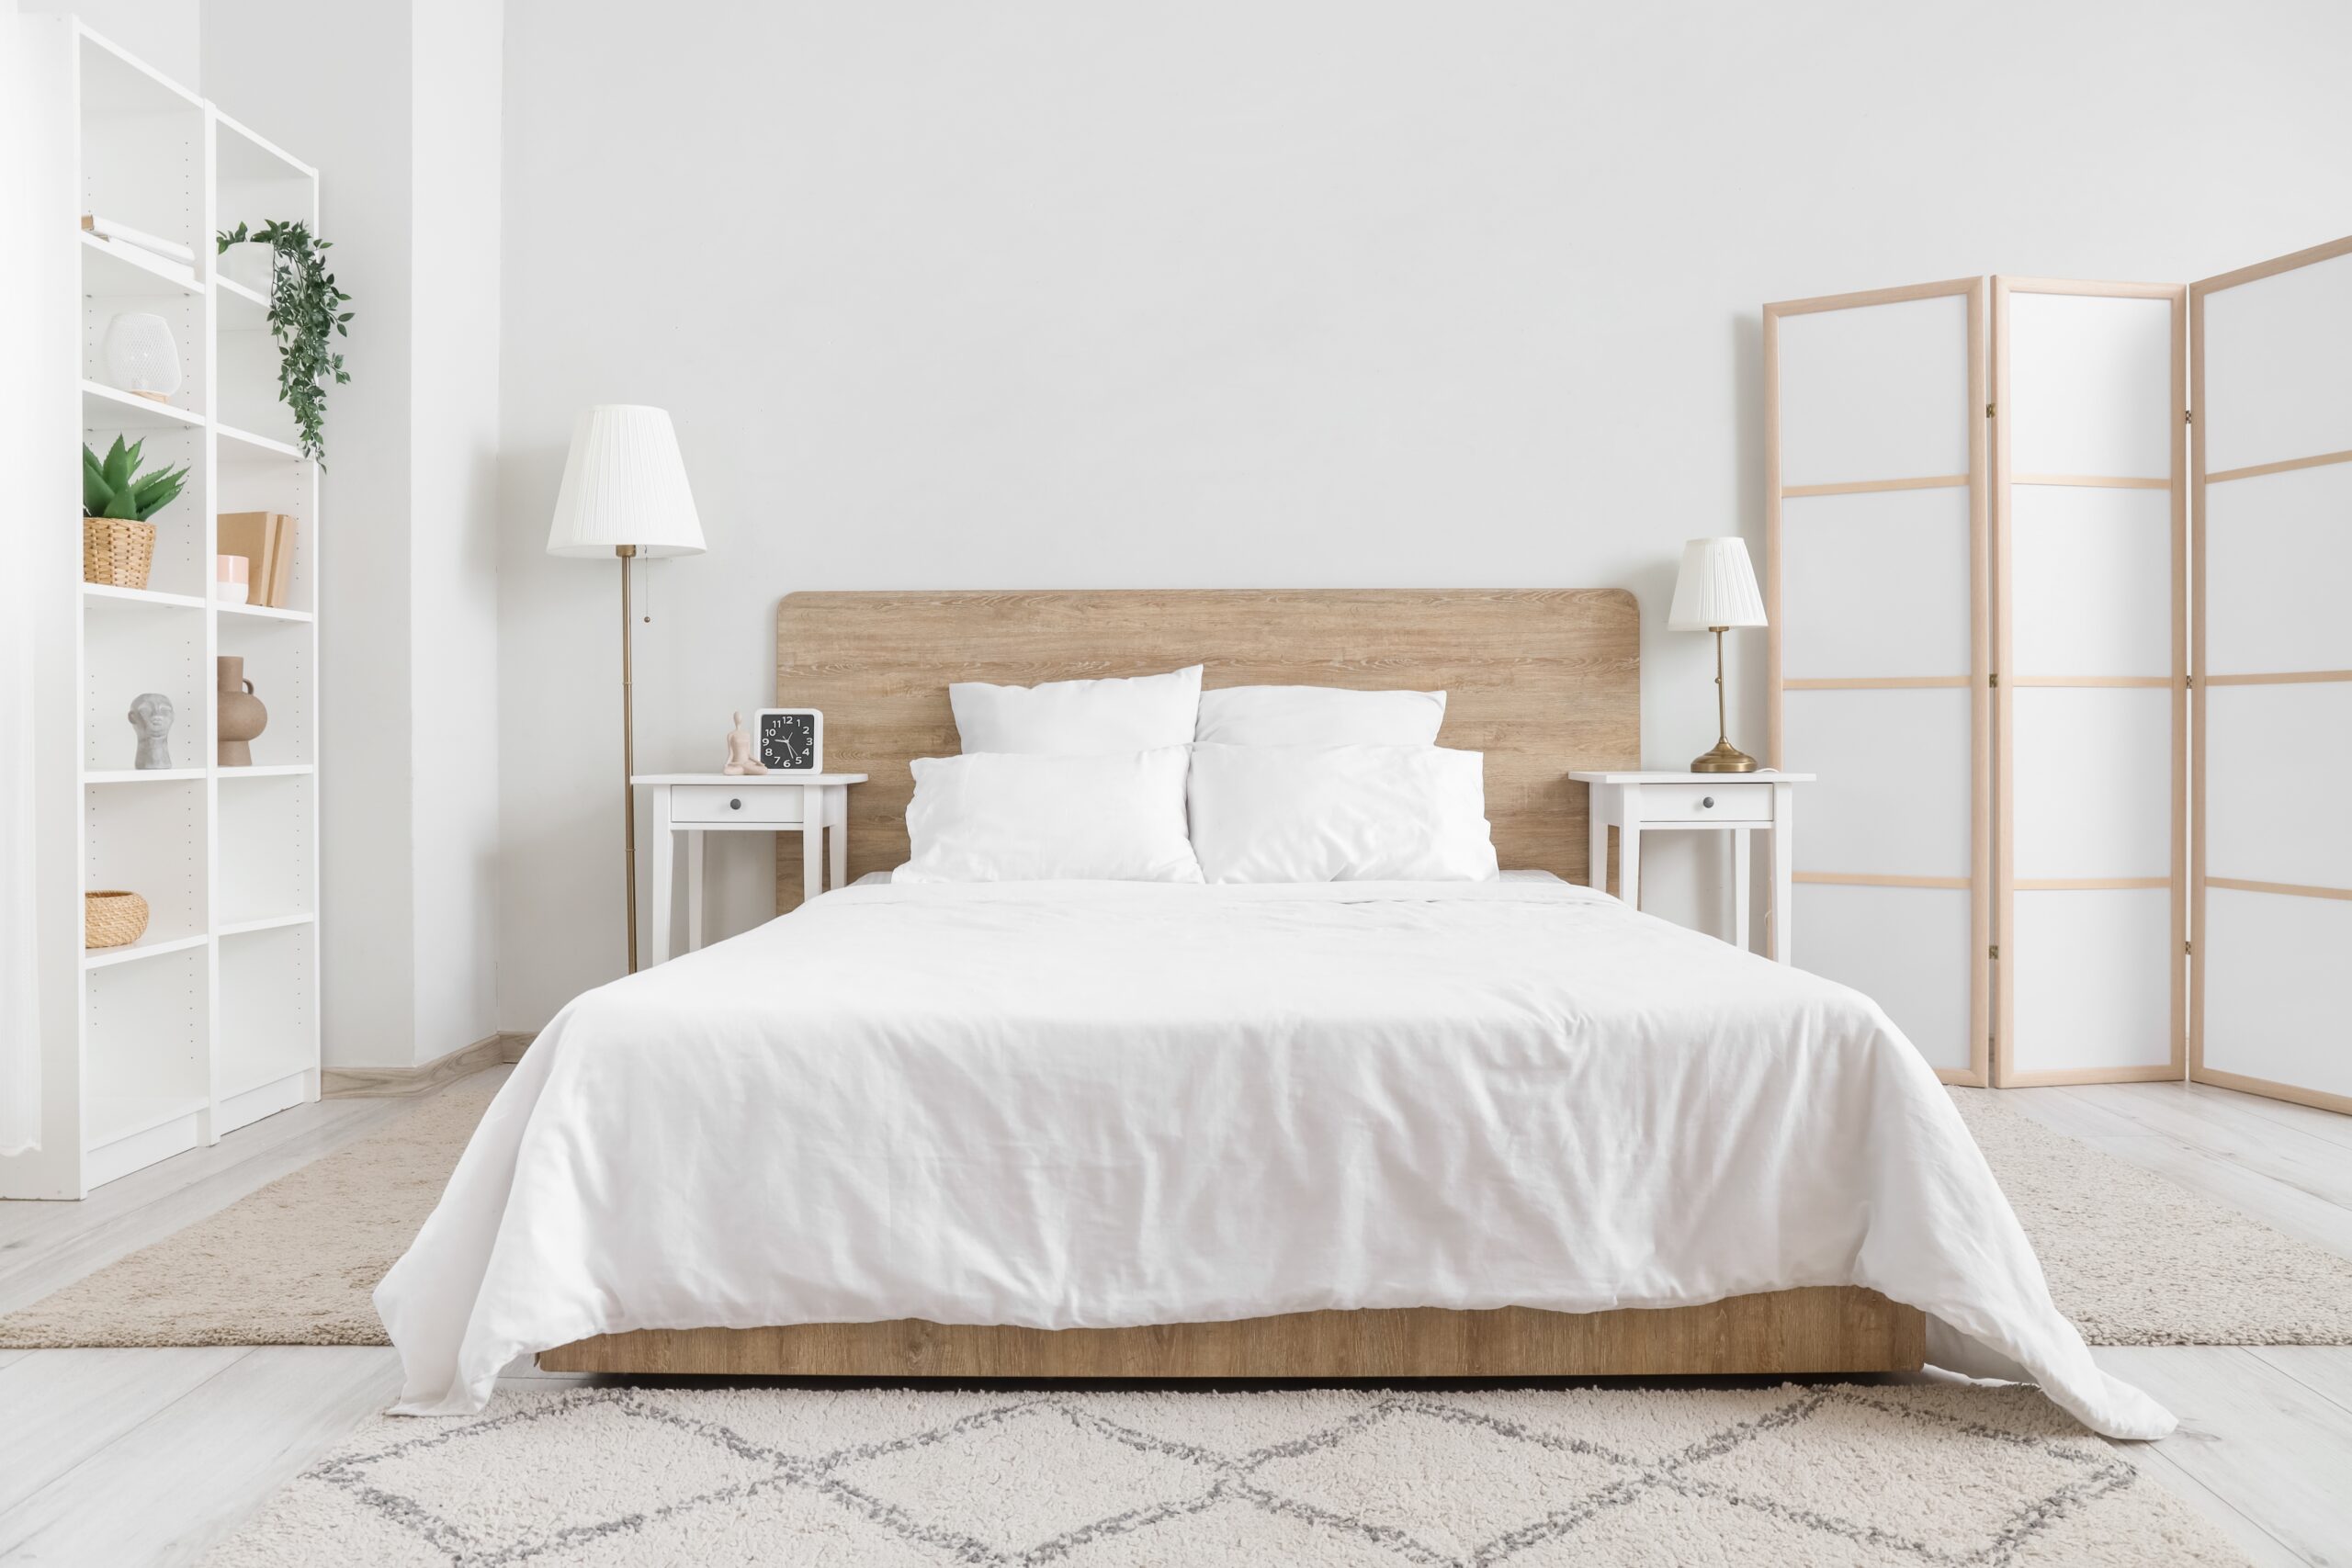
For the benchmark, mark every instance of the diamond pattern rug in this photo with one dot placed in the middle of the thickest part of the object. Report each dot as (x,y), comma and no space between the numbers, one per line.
(1824,1476)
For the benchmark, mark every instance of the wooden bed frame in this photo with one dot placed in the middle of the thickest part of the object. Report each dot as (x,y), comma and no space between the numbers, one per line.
(1541,680)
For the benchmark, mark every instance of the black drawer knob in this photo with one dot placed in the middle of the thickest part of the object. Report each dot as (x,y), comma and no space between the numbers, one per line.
(738,804)
(1708,802)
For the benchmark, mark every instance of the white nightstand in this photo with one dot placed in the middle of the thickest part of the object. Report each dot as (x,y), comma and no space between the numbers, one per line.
(687,806)
(1638,803)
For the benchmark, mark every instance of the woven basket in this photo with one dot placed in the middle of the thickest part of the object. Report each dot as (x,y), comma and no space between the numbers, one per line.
(117,551)
(112,918)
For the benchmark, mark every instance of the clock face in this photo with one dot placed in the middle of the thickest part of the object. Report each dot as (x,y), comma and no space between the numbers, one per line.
(788,740)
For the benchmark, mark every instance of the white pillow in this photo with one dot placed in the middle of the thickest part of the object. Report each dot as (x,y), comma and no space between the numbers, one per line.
(1339,814)
(1318,716)
(1078,718)
(998,816)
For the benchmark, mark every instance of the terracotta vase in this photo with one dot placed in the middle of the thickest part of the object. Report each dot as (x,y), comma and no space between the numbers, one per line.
(240,715)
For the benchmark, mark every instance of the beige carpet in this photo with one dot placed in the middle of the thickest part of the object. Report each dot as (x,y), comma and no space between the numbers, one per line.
(2132,1257)
(2137,1259)
(1788,1477)
(292,1264)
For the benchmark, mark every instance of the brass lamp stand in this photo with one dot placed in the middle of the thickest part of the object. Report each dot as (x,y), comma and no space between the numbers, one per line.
(1724,757)
(628,752)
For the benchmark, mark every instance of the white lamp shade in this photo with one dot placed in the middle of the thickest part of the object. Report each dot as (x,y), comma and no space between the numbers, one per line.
(623,483)
(1716,587)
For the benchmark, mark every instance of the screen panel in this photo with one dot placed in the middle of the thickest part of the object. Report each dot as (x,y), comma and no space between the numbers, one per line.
(2089,540)
(2271,447)
(1876,584)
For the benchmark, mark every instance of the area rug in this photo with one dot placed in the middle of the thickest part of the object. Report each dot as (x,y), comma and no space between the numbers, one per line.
(1820,1477)
(293,1263)
(2131,1258)
(2134,1259)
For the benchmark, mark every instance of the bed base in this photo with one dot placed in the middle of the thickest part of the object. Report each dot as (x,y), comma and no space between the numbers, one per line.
(1821,1329)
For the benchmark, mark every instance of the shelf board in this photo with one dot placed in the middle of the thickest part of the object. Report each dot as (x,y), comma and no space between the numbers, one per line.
(151,945)
(265,612)
(140,775)
(268,771)
(111,268)
(114,81)
(242,154)
(243,310)
(104,408)
(267,923)
(114,1117)
(101,595)
(229,434)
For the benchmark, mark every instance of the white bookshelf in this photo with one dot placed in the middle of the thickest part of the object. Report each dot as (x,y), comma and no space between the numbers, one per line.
(211,1021)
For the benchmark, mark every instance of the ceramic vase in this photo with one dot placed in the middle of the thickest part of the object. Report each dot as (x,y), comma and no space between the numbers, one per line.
(238,714)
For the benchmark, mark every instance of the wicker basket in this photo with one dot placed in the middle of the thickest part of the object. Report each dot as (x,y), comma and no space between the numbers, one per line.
(112,919)
(117,551)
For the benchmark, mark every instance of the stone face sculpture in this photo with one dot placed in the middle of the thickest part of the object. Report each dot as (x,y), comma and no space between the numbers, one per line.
(743,751)
(151,719)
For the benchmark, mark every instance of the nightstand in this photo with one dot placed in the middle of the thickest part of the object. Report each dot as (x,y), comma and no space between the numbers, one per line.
(1739,803)
(687,806)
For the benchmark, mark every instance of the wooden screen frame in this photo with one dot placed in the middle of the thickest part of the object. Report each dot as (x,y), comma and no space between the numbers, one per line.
(2005,883)
(1544,680)
(2199,880)
(1979,882)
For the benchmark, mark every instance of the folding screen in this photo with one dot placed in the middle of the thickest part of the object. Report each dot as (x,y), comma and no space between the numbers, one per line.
(1876,588)
(2090,535)
(2273,450)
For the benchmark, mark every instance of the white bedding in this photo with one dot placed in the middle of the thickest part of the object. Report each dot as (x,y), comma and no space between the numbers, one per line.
(1063,1104)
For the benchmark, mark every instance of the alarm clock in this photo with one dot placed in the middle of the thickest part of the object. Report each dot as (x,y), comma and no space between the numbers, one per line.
(792,740)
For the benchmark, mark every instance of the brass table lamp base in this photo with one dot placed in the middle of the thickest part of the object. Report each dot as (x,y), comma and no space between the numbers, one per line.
(1725,758)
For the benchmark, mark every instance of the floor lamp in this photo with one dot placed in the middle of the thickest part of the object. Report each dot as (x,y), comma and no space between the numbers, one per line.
(625,496)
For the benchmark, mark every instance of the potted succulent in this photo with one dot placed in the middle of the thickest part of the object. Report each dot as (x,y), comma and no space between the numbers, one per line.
(117,540)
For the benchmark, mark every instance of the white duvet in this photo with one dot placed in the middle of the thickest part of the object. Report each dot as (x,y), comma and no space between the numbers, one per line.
(1101,1104)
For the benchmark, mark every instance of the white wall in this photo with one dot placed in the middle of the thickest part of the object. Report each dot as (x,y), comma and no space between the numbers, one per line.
(1307,293)
(453,539)
(397,106)
(166,34)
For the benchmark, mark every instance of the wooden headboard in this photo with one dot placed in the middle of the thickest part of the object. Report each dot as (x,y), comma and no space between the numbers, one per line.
(1540,680)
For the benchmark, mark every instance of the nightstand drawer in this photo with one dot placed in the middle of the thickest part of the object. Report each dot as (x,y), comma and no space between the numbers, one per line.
(770,806)
(1706,803)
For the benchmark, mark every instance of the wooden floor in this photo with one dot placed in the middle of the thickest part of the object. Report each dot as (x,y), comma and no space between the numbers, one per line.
(127,1456)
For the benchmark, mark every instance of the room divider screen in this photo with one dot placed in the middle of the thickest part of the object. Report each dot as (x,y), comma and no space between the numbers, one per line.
(2272,349)
(2090,535)
(2034,814)
(1876,592)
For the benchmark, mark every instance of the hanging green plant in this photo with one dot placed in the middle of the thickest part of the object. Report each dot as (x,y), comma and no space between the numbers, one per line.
(304,318)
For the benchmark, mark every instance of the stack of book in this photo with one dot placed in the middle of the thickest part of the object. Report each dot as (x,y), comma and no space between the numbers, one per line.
(116,233)
(266,541)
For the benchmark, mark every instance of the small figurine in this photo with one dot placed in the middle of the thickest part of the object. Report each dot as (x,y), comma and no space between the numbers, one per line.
(151,717)
(743,751)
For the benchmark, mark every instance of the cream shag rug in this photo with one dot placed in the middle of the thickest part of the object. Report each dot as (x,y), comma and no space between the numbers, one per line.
(1823,1477)
(2136,1259)
(2131,1258)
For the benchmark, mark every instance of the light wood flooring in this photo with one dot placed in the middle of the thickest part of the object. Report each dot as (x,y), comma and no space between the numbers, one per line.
(113,1459)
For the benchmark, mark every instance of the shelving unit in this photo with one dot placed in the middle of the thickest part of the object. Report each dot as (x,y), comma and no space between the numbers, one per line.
(211,1020)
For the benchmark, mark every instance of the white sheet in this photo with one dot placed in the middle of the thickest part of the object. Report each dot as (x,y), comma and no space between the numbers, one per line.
(1098,1104)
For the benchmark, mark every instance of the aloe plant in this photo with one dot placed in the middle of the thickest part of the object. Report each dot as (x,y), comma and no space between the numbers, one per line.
(115,487)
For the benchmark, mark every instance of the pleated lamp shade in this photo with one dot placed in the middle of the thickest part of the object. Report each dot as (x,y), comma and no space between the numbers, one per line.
(1716,587)
(623,483)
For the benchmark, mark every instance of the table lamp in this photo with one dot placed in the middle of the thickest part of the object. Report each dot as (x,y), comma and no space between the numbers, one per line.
(1715,591)
(624,495)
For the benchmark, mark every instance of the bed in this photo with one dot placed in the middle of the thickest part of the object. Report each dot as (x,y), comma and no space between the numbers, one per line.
(1500,1129)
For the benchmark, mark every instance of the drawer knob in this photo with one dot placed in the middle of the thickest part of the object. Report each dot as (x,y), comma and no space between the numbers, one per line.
(1707,803)
(737,805)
